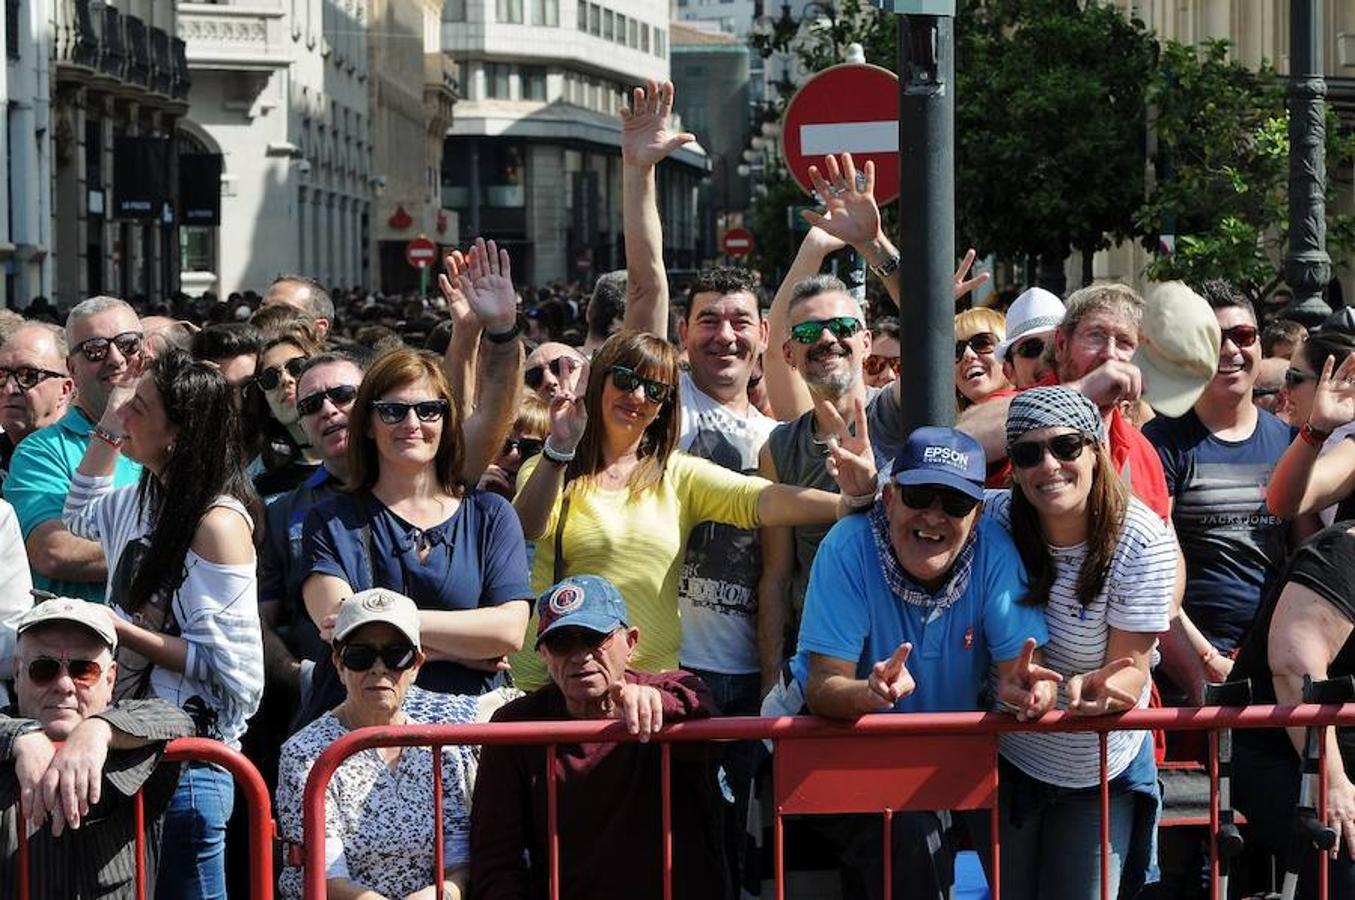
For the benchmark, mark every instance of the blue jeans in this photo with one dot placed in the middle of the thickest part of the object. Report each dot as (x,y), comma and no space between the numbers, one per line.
(193,851)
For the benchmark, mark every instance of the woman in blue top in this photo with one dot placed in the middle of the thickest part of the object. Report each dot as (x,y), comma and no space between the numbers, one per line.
(407,523)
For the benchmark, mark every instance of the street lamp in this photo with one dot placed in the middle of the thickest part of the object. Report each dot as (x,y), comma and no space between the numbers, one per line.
(771,36)
(1307,267)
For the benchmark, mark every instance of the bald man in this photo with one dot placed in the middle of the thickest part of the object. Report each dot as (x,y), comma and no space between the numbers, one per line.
(305,294)
(36,387)
(545,369)
(1268,391)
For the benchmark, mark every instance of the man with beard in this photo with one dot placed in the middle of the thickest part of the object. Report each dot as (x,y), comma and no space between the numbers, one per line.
(36,388)
(1218,458)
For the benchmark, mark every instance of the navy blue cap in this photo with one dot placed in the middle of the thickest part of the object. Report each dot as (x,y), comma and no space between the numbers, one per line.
(580,601)
(942,456)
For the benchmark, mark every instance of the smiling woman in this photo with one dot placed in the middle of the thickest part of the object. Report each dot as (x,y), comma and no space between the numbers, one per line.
(978,372)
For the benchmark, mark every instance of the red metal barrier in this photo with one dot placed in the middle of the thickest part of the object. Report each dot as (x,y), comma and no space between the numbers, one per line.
(948,761)
(259,807)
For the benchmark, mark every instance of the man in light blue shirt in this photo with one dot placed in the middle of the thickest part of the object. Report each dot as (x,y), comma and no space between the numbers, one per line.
(105,340)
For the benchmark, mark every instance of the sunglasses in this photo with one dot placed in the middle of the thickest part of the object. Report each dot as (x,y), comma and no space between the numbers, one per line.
(1295,377)
(875,364)
(393,412)
(533,376)
(1261,393)
(626,380)
(981,343)
(1031,349)
(96,348)
(1064,448)
(840,328)
(526,447)
(271,377)
(568,641)
(1242,336)
(361,657)
(340,395)
(27,377)
(922,496)
(45,669)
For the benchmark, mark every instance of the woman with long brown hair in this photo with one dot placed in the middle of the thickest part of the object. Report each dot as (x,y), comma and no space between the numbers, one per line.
(611,496)
(1102,565)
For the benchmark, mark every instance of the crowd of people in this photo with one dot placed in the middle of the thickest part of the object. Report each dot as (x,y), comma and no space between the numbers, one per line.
(276,519)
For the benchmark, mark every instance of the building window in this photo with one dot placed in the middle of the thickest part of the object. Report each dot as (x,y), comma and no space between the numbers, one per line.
(497,77)
(12,17)
(621,29)
(533,82)
(508,11)
(659,36)
(644,38)
(608,24)
(583,15)
(594,20)
(546,12)
(634,34)
(454,11)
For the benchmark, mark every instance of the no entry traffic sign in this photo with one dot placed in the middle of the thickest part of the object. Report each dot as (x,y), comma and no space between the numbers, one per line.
(421,252)
(852,108)
(737,243)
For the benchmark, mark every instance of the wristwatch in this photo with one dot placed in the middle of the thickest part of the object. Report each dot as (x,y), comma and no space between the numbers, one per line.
(888,267)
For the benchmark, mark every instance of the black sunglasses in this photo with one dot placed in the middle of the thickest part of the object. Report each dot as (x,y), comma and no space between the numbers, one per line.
(1295,377)
(626,380)
(361,657)
(271,377)
(1030,349)
(840,328)
(981,343)
(568,641)
(922,496)
(1064,448)
(393,412)
(340,395)
(27,377)
(526,447)
(1242,336)
(96,348)
(534,375)
(46,669)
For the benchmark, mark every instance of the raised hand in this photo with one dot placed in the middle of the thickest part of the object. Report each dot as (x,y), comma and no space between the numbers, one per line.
(455,265)
(1092,694)
(647,137)
(850,212)
(963,285)
(1028,688)
(639,706)
(851,461)
(1334,397)
(889,681)
(568,412)
(488,286)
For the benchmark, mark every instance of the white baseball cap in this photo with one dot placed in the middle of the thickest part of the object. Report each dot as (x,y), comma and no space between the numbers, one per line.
(1036,311)
(378,605)
(78,612)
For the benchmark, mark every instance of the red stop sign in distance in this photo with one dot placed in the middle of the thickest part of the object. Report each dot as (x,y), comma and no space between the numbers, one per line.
(421,252)
(737,243)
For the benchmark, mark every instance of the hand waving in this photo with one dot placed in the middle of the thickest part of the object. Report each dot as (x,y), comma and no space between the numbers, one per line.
(963,286)
(646,132)
(1334,397)
(1092,694)
(850,461)
(455,265)
(1029,688)
(889,681)
(850,211)
(568,414)
(487,283)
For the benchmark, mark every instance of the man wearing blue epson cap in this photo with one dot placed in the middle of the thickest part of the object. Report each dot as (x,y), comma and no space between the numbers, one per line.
(609,800)
(907,609)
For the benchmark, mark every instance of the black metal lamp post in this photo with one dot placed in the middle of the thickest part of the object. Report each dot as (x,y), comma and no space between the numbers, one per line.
(1307,267)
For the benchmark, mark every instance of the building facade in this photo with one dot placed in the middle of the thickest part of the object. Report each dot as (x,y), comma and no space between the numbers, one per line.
(533,157)
(25,144)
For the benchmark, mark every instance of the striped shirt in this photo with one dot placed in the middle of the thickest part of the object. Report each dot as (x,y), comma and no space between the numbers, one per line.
(215,610)
(1136,598)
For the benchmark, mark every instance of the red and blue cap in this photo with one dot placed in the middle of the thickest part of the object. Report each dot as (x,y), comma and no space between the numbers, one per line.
(944,457)
(580,601)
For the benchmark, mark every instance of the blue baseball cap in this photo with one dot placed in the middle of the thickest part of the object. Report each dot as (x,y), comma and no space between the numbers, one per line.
(580,601)
(944,457)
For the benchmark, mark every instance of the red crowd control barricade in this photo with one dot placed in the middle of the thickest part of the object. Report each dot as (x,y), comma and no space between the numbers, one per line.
(259,808)
(881,764)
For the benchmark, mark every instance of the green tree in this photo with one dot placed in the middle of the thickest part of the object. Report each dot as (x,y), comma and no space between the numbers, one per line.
(1223,130)
(1049,126)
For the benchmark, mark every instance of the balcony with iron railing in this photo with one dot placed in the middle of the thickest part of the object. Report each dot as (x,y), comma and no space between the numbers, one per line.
(182,80)
(162,72)
(113,59)
(75,33)
(138,52)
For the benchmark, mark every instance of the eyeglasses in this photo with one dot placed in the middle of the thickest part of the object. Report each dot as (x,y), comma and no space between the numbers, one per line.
(1030,349)
(922,496)
(271,377)
(1064,448)
(535,375)
(46,669)
(981,343)
(526,447)
(393,412)
(1260,393)
(361,657)
(340,395)
(626,380)
(27,377)
(1241,335)
(96,348)
(568,641)
(875,364)
(840,328)
(1295,377)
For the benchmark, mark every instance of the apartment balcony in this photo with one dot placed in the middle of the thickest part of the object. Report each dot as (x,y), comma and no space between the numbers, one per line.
(441,90)
(162,68)
(75,35)
(138,51)
(234,37)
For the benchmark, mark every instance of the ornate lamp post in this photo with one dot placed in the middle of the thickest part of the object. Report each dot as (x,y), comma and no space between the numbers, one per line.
(1307,267)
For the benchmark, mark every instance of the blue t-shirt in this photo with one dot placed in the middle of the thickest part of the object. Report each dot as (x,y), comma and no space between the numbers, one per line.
(1233,544)
(476,558)
(851,614)
(40,477)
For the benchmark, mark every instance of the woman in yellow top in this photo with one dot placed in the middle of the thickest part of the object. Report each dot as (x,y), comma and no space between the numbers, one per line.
(631,499)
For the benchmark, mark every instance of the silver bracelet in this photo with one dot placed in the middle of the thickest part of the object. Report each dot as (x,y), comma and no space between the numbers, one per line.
(859,501)
(558,457)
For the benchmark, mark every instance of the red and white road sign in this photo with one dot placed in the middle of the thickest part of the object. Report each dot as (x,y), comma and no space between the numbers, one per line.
(737,243)
(852,108)
(421,252)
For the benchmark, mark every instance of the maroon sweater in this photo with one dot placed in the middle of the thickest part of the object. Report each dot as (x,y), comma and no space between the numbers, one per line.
(610,809)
